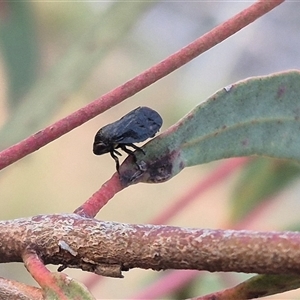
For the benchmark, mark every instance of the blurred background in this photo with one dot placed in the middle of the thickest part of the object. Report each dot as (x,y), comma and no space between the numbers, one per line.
(56,57)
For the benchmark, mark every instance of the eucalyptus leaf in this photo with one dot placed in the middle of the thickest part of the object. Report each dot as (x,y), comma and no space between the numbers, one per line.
(67,288)
(256,116)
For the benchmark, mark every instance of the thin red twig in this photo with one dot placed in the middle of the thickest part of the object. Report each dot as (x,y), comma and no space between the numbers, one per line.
(41,274)
(91,207)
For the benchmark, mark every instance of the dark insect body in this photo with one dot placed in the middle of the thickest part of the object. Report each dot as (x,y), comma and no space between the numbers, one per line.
(136,126)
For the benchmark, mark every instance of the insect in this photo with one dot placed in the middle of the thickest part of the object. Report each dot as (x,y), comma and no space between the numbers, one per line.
(136,126)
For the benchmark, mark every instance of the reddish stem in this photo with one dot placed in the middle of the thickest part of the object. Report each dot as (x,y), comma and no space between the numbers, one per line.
(41,274)
(91,207)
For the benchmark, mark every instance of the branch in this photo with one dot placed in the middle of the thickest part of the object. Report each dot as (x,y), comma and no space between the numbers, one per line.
(108,248)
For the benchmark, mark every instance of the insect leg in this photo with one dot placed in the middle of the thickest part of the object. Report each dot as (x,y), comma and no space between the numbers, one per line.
(135,147)
(117,152)
(130,152)
(116,159)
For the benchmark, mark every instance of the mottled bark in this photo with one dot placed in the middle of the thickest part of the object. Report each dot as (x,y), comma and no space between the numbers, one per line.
(109,248)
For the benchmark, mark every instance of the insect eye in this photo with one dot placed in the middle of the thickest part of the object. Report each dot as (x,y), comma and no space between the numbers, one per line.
(100,148)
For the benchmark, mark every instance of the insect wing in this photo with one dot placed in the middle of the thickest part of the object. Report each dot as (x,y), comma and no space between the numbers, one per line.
(115,132)
(139,125)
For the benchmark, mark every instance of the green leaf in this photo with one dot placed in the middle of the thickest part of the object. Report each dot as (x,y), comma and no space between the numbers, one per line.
(260,179)
(257,116)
